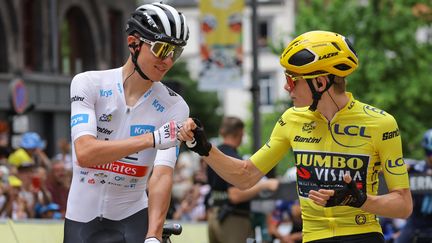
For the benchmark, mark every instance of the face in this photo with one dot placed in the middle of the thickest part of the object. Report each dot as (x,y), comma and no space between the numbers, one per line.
(299,92)
(156,58)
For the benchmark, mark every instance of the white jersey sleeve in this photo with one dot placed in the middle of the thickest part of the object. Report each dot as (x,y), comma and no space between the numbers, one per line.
(83,99)
(168,157)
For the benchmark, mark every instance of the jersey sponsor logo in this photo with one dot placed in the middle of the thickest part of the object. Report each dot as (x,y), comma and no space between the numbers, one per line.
(158,106)
(105,93)
(136,130)
(76,98)
(120,89)
(396,167)
(390,135)
(372,111)
(328,55)
(148,93)
(281,122)
(303,173)
(119,178)
(331,160)
(268,143)
(308,127)
(326,170)
(122,168)
(91,181)
(78,119)
(351,105)
(101,174)
(360,219)
(105,118)
(301,139)
(104,130)
(350,130)
(170,91)
(84,172)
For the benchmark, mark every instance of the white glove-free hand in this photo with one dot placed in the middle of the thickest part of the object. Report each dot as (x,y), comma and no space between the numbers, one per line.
(152,240)
(166,136)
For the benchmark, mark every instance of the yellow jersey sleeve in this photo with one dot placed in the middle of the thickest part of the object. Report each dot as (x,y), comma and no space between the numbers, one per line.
(275,148)
(389,147)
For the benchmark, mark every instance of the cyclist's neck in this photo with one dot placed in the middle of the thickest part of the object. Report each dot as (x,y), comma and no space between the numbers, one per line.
(331,103)
(134,86)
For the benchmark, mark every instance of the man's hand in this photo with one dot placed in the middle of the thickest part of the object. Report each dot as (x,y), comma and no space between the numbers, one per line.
(166,136)
(349,195)
(152,240)
(192,132)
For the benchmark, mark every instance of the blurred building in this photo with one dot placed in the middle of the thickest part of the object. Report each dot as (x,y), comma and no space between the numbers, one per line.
(43,43)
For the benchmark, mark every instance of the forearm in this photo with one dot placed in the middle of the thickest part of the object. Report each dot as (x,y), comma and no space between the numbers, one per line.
(160,186)
(92,152)
(395,204)
(240,173)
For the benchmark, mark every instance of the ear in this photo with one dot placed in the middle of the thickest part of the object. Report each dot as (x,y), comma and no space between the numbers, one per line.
(321,82)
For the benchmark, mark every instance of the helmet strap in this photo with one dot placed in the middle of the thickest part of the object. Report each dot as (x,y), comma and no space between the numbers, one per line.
(316,96)
(135,55)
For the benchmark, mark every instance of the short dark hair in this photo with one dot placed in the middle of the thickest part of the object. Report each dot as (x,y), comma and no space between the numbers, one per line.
(231,126)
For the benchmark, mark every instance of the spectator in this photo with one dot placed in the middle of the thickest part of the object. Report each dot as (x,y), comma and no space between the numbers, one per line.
(58,183)
(419,225)
(65,153)
(285,223)
(30,151)
(229,212)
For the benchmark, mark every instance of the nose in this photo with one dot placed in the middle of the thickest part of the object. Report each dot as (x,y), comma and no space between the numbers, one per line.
(287,88)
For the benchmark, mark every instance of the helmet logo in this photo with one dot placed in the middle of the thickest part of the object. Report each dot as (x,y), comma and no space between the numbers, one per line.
(332,54)
(150,21)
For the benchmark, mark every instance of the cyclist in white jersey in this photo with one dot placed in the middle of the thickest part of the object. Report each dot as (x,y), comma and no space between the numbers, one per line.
(123,129)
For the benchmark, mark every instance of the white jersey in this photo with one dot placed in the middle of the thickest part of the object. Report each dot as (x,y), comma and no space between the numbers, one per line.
(116,190)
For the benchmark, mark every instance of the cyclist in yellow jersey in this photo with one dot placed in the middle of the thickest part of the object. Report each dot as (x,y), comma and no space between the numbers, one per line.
(340,146)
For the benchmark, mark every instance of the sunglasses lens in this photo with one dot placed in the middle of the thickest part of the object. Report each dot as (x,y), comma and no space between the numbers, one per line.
(290,82)
(163,50)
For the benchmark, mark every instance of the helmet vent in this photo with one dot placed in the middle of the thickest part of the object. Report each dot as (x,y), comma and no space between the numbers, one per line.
(342,67)
(301,58)
(350,46)
(352,60)
(336,46)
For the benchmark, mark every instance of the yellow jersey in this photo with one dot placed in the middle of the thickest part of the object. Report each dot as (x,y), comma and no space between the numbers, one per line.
(360,140)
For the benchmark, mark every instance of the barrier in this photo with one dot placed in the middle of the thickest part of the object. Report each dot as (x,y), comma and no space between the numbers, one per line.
(51,231)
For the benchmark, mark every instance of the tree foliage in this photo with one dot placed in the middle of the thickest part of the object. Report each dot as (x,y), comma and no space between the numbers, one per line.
(203,105)
(394,71)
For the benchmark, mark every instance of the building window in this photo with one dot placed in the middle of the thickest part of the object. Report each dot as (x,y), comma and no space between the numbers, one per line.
(77,52)
(32,34)
(264,33)
(267,93)
(115,20)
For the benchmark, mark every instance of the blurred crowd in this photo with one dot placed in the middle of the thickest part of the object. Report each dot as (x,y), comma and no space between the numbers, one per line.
(32,185)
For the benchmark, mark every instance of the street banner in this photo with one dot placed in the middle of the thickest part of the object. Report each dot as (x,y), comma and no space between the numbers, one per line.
(221,44)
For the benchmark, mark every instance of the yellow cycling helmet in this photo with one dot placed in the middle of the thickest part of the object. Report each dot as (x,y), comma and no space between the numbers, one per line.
(320,52)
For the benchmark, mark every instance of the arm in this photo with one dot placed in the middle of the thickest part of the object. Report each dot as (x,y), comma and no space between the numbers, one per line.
(395,204)
(160,185)
(91,152)
(236,195)
(240,173)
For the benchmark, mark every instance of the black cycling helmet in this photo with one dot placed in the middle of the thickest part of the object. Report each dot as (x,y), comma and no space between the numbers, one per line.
(159,22)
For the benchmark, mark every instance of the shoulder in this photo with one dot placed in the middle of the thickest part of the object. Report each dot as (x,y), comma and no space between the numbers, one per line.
(96,77)
(372,112)
(296,115)
(167,96)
